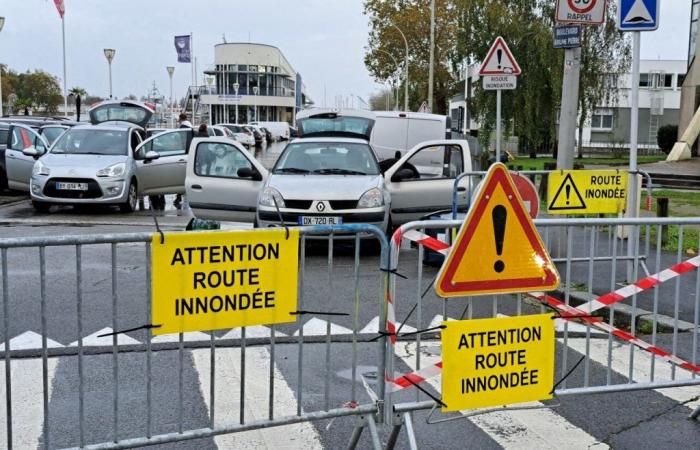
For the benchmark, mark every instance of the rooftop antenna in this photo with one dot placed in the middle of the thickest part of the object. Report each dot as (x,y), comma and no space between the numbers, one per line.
(223,37)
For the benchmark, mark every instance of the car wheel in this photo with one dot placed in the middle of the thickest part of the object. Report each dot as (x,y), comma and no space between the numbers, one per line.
(131,200)
(41,207)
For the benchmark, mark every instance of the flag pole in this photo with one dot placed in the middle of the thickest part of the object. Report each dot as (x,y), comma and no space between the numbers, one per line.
(193,75)
(65,85)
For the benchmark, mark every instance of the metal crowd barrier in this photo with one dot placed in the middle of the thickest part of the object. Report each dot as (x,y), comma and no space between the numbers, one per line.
(72,251)
(641,329)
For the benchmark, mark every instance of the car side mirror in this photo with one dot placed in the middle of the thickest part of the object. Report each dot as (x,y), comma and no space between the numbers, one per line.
(31,151)
(247,172)
(151,155)
(402,174)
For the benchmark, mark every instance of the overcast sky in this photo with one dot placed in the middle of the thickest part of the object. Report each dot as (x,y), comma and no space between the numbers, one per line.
(323,39)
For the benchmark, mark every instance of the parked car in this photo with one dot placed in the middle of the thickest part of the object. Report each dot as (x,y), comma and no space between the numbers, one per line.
(242,135)
(259,136)
(222,131)
(388,131)
(279,130)
(108,162)
(329,180)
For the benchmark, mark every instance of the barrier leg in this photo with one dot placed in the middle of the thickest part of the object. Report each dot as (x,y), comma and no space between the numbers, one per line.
(372,425)
(695,414)
(409,430)
(356,433)
(391,443)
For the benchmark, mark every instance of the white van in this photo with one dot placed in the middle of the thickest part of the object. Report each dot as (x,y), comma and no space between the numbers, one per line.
(389,131)
(278,130)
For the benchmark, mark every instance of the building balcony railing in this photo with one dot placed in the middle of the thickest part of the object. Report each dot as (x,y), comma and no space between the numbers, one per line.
(269,92)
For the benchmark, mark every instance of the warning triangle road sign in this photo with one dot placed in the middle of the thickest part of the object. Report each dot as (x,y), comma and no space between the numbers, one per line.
(498,249)
(567,196)
(499,60)
(424,108)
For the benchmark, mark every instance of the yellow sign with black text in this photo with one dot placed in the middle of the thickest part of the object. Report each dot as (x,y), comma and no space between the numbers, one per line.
(587,192)
(211,281)
(496,362)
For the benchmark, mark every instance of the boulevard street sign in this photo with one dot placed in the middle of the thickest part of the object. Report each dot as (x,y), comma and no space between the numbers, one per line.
(567,36)
(498,249)
(496,362)
(500,82)
(587,192)
(588,12)
(211,281)
(638,15)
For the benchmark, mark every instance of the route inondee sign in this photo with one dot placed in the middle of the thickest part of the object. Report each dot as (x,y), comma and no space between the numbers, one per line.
(590,12)
(587,192)
(212,281)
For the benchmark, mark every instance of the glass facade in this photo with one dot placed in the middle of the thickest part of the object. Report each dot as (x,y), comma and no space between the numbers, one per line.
(268,79)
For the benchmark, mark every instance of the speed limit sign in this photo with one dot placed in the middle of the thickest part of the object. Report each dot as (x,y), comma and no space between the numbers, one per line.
(588,12)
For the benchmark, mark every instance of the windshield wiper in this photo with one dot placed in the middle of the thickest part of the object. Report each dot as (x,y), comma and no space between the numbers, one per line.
(339,172)
(291,170)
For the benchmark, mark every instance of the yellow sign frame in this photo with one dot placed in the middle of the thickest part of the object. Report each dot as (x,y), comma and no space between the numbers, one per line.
(587,192)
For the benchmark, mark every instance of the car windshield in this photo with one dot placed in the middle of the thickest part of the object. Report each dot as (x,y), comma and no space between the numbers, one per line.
(327,158)
(233,128)
(92,142)
(51,133)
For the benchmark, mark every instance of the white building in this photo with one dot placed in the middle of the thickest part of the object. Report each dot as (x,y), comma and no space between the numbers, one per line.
(256,80)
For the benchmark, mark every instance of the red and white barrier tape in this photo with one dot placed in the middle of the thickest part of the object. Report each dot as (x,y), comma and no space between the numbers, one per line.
(427,241)
(641,285)
(576,313)
(416,377)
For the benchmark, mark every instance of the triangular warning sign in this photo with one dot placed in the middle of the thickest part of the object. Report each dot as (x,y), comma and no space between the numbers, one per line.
(638,13)
(498,249)
(567,196)
(424,108)
(499,60)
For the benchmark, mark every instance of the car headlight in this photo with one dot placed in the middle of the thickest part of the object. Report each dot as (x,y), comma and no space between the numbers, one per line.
(371,199)
(115,170)
(41,169)
(267,196)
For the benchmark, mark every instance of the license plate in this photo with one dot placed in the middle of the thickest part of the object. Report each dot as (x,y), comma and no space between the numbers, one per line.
(314,220)
(71,186)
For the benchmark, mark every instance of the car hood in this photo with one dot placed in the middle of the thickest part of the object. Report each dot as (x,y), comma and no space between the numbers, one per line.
(80,162)
(324,187)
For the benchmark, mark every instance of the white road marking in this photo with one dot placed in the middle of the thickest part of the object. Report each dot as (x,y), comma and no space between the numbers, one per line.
(257,331)
(227,401)
(317,327)
(94,340)
(373,327)
(27,402)
(29,340)
(642,367)
(174,337)
(527,429)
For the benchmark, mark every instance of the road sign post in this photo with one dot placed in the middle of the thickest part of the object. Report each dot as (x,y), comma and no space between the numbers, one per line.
(499,71)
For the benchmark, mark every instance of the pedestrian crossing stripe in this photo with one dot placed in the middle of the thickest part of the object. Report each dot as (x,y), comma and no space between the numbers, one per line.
(564,199)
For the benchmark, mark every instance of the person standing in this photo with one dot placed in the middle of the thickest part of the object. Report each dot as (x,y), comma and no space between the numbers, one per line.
(182,122)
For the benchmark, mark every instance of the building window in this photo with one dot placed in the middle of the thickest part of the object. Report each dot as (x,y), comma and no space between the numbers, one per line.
(665,80)
(681,79)
(644,80)
(602,120)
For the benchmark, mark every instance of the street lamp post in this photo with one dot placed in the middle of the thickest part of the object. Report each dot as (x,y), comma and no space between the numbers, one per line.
(2,22)
(405,41)
(235,92)
(396,105)
(109,54)
(255,93)
(210,81)
(171,70)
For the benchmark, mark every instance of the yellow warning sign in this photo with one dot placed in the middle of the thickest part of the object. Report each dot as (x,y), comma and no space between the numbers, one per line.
(498,249)
(587,192)
(496,362)
(210,281)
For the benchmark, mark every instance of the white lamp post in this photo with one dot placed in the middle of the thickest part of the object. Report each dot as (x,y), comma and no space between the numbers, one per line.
(109,54)
(236,86)
(2,22)
(255,92)
(210,81)
(406,67)
(171,70)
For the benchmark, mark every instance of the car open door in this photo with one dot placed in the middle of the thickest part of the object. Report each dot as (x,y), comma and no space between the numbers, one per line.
(161,162)
(26,145)
(223,180)
(421,182)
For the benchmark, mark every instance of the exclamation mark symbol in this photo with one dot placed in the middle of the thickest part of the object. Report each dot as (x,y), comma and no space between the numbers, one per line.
(568,193)
(499,215)
(499,55)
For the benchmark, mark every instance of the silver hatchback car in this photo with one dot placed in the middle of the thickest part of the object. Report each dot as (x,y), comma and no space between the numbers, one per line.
(109,162)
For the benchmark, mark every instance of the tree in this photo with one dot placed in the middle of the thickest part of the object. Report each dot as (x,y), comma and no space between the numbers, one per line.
(413,18)
(666,137)
(384,100)
(74,92)
(37,89)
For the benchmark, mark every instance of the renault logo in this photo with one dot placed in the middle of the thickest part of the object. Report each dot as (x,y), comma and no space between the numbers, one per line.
(320,206)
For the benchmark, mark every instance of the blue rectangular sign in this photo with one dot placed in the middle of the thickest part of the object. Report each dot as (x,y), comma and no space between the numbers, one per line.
(638,15)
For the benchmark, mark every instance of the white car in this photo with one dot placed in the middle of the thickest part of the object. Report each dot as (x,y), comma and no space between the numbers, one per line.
(242,135)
